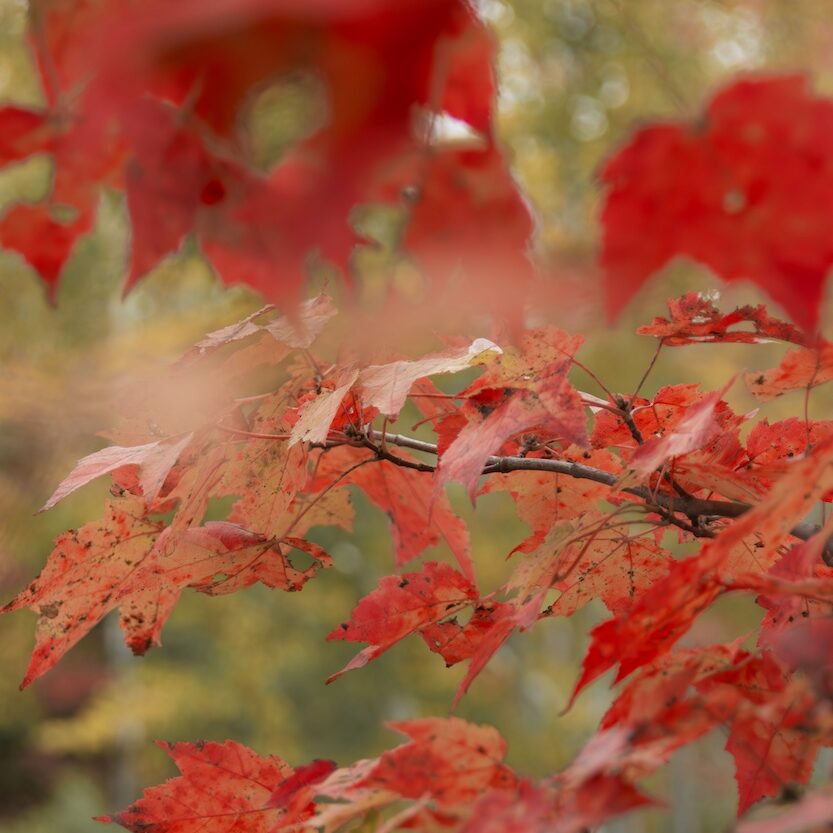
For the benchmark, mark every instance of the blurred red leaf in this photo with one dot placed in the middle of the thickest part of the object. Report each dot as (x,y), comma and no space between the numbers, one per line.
(153,97)
(744,191)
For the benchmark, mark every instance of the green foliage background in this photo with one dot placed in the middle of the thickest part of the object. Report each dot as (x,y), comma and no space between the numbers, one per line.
(577,76)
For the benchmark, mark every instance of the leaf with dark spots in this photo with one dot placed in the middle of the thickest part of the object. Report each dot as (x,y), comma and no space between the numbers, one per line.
(220,784)
(125,562)
(78,586)
(494,417)
(694,319)
(615,570)
(451,760)
(800,369)
(392,612)
(490,625)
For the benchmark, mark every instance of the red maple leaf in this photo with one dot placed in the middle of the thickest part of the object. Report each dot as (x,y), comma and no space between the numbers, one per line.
(151,98)
(697,428)
(494,415)
(694,319)
(400,606)
(744,191)
(768,735)
(222,785)
(450,759)
(303,777)
(803,368)
(128,561)
(155,461)
(668,608)
(419,516)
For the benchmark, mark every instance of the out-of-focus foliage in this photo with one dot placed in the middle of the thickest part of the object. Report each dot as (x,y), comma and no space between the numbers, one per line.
(576,75)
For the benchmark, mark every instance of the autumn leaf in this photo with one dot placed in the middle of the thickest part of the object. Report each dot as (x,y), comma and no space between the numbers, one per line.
(593,800)
(239,330)
(654,418)
(221,786)
(496,415)
(802,561)
(655,622)
(667,680)
(616,570)
(768,736)
(456,642)
(541,507)
(694,319)
(419,517)
(696,429)
(266,475)
(449,759)
(491,623)
(24,132)
(304,776)
(807,646)
(300,330)
(527,809)
(400,606)
(467,217)
(666,611)
(42,237)
(772,447)
(155,460)
(82,577)
(295,332)
(317,414)
(386,386)
(740,192)
(158,134)
(800,369)
(127,562)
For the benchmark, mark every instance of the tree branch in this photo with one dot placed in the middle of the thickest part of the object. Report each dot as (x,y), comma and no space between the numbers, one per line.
(695,510)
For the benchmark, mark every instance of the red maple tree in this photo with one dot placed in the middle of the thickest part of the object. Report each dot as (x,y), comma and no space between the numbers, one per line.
(147,97)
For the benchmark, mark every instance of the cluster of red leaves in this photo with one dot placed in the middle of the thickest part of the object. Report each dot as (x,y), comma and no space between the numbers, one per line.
(149,97)
(292,457)
(449,776)
(152,98)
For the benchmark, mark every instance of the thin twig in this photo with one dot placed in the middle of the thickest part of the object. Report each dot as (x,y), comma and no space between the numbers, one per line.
(626,413)
(648,370)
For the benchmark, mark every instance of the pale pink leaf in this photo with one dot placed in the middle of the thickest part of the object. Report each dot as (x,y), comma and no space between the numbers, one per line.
(155,460)
(318,414)
(386,386)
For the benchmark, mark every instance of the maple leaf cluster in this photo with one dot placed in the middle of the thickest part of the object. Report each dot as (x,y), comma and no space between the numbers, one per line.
(268,414)
(293,456)
(155,99)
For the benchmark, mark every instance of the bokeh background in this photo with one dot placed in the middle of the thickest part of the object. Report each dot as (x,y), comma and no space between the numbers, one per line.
(577,77)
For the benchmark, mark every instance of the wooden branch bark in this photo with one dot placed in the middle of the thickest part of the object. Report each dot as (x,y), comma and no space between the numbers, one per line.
(695,510)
